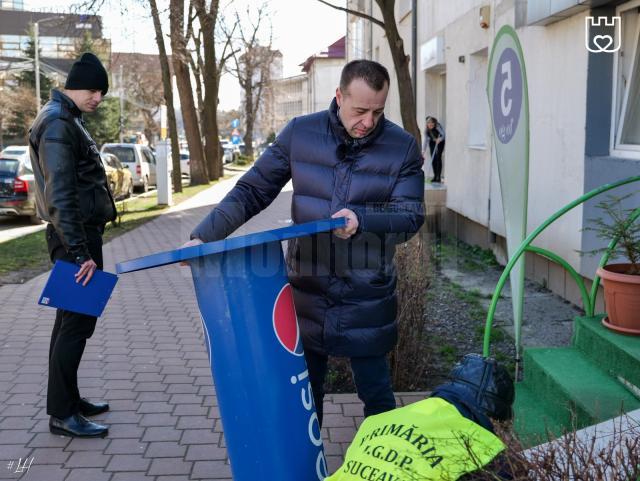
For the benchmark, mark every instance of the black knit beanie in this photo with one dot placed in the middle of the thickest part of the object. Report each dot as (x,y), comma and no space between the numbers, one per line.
(88,73)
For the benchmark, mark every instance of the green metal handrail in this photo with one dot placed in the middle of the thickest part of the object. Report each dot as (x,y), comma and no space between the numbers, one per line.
(605,258)
(577,277)
(526,244)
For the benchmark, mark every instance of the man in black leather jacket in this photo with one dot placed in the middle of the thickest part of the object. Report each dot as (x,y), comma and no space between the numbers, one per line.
(72,195)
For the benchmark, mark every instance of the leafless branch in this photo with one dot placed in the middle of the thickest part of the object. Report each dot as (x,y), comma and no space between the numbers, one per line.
(354,12)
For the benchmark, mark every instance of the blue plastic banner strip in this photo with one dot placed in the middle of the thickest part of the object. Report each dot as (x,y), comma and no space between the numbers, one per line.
(193,252)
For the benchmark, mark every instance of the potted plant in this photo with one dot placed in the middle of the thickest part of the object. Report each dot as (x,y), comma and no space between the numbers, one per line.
(621,281)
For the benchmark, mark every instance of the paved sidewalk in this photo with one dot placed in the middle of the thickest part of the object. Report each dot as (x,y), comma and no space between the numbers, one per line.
(147,358)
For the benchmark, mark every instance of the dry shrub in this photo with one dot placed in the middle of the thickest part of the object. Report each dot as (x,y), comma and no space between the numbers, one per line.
(409,358)
(571,457)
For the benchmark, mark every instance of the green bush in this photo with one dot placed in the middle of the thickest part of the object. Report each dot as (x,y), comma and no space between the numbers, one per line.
(242,160)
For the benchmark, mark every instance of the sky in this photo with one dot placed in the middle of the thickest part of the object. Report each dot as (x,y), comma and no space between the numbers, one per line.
(300,28)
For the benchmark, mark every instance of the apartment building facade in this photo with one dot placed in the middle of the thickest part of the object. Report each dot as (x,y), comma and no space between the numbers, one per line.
(584,120)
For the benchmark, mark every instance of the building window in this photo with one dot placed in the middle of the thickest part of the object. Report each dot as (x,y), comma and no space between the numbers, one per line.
(357,37)
(12,4)
(626,104)
(478,107)
(404,7)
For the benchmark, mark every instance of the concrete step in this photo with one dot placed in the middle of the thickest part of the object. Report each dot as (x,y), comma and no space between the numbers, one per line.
(618,354)
(580,391)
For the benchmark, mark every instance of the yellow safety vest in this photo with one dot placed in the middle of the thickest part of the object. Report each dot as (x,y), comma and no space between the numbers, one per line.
(426,440)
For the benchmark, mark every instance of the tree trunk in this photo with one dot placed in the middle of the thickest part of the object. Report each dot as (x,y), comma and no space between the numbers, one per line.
(210,74)
(249,119)
(168,98)
(197,165)
(401,65)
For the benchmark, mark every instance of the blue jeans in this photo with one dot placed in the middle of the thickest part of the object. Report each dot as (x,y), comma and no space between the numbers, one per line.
(371,376)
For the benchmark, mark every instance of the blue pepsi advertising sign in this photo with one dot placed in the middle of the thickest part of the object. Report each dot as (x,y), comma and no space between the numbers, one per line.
(255,351)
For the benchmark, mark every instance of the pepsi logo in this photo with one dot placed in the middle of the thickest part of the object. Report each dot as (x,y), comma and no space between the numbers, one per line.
(285,322)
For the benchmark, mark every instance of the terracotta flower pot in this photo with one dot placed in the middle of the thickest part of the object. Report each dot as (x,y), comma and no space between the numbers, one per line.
(622,298)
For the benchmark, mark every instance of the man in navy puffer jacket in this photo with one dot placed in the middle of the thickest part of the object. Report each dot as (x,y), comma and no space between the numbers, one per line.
(348,161)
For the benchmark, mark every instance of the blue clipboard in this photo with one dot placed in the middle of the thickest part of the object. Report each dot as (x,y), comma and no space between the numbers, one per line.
(62,291)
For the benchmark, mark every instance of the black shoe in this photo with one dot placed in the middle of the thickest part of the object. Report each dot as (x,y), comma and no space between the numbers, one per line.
(87,408)
(77,426)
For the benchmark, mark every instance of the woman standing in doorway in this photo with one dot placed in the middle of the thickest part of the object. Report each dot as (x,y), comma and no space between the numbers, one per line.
(434,138)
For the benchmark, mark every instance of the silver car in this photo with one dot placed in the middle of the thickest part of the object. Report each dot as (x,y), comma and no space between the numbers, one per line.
(139,159)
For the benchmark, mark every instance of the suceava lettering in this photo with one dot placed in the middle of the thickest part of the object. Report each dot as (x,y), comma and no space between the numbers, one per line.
(368,473)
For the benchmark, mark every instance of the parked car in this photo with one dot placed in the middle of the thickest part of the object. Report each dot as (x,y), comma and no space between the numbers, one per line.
(139,159)
(231,151)
(15,150)
(118,176)
(17,187)
(227,156)
(185,170)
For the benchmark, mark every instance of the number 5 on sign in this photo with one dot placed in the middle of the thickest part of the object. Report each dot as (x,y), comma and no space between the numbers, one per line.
(509,105)
(506,85)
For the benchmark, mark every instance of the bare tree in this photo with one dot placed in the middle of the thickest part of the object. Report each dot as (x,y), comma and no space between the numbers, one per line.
(252,66)
(400,61)
(19,112)
(168,98)
(198,167)
(207,17)
(197,64)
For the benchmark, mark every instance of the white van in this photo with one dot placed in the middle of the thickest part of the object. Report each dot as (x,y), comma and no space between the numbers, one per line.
(139,159)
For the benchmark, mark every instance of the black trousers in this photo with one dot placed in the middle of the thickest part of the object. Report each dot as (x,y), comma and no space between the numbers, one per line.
(371,376)
(437,160)
(70,333)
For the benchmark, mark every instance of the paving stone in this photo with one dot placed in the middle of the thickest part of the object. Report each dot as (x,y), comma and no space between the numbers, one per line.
(119,431)
(126,446)
(190,410)
(193,422)
(200,436)
(333,463)
(85,474)
(88,444)
(166,449)
(17,422)
(211,470)
(46,473)
(161,434)
(15,436)
(205,452)
(340,435)
(87,459)
(132,477)
(122,417)
(186,399)
(48,440)
(128,462)
(337,421)
(155,407)
(351,409)
(169,466)
(153,396)
(158,419)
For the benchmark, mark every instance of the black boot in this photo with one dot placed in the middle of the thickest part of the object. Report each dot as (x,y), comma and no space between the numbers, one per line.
(76,426)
